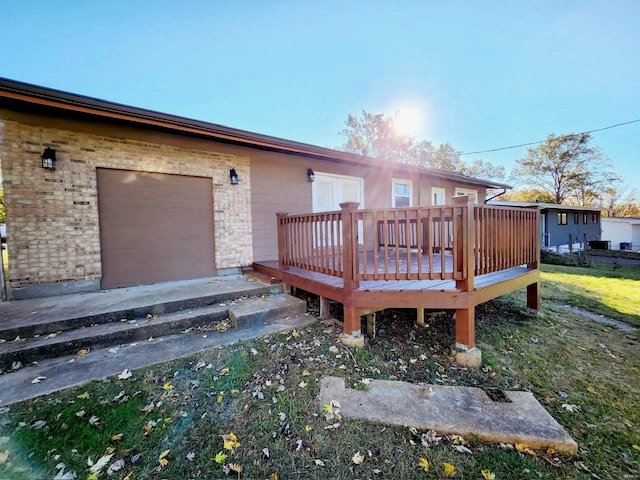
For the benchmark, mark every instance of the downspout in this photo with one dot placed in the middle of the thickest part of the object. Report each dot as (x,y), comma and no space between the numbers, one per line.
(504,190)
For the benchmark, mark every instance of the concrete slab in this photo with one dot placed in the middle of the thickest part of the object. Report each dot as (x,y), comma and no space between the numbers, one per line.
(451,410)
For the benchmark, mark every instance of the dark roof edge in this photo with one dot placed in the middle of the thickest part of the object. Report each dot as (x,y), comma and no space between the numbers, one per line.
(61,99)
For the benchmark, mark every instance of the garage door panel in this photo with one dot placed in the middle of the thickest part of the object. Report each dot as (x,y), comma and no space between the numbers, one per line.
(154,227)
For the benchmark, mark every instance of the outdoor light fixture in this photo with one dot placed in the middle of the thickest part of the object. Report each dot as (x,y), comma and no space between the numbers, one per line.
(311,175)
(48,159)
(233,176)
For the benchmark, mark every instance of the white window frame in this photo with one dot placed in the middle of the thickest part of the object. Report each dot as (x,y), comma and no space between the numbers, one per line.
(438,191)
(401,181)
(467,191)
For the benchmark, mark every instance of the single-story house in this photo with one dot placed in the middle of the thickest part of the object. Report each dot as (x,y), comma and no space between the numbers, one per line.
(561,225)
(102,195)
(622,232)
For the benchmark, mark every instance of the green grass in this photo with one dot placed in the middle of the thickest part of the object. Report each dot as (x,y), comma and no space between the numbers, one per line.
(610,289)
(265,392)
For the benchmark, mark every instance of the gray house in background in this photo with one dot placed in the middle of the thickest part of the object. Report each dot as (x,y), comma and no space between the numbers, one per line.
(562,224)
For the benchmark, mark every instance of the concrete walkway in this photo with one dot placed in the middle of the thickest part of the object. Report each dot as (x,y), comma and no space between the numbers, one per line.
(463,411)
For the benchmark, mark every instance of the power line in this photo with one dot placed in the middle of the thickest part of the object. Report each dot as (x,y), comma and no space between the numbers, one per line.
(542,141)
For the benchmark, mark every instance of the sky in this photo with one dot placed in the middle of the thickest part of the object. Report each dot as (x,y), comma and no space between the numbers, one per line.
(480,74)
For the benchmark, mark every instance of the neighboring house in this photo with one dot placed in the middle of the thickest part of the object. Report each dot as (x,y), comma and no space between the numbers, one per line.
(622,232)
(560,223)
(139,197)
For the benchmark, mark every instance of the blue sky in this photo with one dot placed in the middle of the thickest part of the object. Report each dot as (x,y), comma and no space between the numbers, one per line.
(482,74)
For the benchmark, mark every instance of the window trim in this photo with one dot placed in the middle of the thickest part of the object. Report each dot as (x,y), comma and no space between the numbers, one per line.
(460,191)
(437,190)
(563,218)
(401,181)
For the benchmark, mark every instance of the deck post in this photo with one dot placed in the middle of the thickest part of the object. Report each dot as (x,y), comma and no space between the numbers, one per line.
(352,334)
(465,252)
(533,290)
(282,235)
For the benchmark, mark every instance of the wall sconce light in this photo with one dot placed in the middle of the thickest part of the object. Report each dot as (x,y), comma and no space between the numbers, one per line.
(311,175)
(48,159)
(233,176)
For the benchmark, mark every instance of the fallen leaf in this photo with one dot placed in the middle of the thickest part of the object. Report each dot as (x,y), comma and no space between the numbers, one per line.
(636,447)
(357,458)
(115,467)
(100,464)
(230,441)
(83,396)
(82,352)
(488,475)
(125,374)
(423,463)
(4,456)
(319,463)
(16,365)
(168,387)
(333,426)
(448,469)
(94,420)
(224,371)
(302,384)
(191,456)
(308,428)
(117,437)
(220,457)
(306,373)
(571,407)
(235,467)
(523,448)
(265,451)
(273,476)
(162,460)
(461,449)
(38,379)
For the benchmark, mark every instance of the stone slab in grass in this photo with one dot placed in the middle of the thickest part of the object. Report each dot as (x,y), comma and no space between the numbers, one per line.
(463,411)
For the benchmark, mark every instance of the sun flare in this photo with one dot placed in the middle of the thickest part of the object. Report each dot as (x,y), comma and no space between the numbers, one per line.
(405,121)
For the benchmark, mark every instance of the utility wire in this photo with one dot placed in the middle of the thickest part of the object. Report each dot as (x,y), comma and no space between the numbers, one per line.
(542,141)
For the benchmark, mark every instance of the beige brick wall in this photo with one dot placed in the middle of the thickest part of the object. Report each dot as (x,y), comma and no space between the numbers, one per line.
(52,216)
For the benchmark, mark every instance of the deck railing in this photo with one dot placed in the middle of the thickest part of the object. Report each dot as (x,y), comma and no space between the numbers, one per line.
(445,242)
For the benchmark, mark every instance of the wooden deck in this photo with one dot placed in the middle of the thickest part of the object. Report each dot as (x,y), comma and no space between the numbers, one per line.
(446,257)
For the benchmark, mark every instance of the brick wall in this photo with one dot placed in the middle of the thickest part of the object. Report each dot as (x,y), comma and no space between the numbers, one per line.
(52,216)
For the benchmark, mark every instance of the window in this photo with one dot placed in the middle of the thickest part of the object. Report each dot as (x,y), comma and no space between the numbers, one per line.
(576,218)
(437,196)
(584,218)
(562,218)
(594,218)
(401,193)
(465,191)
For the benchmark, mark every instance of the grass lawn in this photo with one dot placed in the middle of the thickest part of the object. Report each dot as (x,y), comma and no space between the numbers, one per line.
(250,410)
(610,290)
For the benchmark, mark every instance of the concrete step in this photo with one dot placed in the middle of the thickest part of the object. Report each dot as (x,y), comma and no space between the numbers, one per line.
(53,316)
(68,371)
(245,312)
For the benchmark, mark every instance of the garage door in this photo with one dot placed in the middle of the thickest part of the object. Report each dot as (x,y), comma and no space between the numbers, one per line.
(154,227)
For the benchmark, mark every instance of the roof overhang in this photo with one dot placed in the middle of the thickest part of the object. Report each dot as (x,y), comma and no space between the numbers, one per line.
(546,206)
(68,102)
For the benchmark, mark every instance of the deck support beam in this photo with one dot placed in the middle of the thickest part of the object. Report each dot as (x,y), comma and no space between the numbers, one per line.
(352,334)
(465,328)
(533,296)
(325,308)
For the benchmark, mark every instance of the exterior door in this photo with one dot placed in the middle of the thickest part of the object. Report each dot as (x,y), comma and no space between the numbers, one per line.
(329,191)
(154,227)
